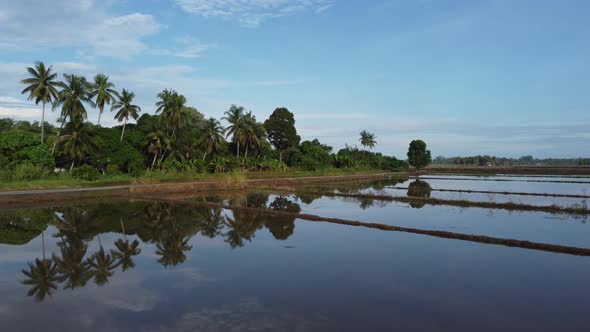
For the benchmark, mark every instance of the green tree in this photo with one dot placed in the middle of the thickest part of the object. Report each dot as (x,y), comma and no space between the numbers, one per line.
(103,91)
(280,127)
(212,138)
(367,139)
(79,142)
(41,87)
(236,118)
(418,155)
(156,144)
(125,109)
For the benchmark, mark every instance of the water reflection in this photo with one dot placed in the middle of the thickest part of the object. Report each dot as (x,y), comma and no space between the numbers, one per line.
(166,227)
(420,189)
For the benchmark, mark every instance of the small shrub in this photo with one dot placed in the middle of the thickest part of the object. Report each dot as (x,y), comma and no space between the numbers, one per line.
(198,165)
(86,173)
(173,166)
(235,180)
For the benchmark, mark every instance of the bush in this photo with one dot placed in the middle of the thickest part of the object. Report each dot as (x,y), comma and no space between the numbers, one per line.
(26,172)
(86,173)
(173,166)
(198,165)
(136,168)
(310,164)
(38,155)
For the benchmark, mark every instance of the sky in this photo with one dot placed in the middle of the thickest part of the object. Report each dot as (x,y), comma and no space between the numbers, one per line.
(501,77)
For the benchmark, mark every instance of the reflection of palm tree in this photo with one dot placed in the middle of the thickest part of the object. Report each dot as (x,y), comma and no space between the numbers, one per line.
(172,249)
(126,250)
(72,266)
(366,203)
(237,233)
(103,265)
(211,224)
(41,275)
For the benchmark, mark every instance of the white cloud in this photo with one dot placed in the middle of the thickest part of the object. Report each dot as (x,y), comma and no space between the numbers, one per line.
(189,48)
(251,13)
(37,25)
(4,99)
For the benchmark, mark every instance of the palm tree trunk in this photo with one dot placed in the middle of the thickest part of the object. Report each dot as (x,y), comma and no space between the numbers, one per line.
(100,109)
(43,123)
(123,132)
(123,228)
(280,156)
(154,161)
(72,166)
(58,135)
(43,243)
(238,154)
(204,155)
(246,155)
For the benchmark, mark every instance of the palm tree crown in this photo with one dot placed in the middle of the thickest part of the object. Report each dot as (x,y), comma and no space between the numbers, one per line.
(125,109)
(103,91)
(41,87)
(212,136)
(368,139)
(236,118)
(72,97)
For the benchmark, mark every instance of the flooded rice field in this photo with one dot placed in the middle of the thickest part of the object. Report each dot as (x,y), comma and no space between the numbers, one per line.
(302,260)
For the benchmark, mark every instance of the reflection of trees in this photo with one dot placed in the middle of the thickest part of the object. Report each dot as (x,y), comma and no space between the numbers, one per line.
(282,227)
(171,248)
(20,227)
(73,268)
(41,276)
(211,223)
(419,189)
(238,231)
(171,237)
(126,251)
(103,265)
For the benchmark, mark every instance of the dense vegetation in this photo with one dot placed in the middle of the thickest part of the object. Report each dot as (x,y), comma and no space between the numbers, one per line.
(177,139)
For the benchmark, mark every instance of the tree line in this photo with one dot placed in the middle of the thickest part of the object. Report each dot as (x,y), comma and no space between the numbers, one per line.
(177,138)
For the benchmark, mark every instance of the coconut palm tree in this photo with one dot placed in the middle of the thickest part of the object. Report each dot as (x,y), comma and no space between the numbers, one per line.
(172,107)
(156,143)
(212,137)
(72,97)
(236,118)
(126,251)
(103,91)
(78,143)
(41,275)
(125,109)
(41,87)
(367,139)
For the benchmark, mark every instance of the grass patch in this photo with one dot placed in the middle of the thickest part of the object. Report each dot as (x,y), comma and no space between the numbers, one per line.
(64,180)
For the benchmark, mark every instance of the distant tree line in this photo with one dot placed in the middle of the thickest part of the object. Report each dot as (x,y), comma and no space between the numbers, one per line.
(487,160)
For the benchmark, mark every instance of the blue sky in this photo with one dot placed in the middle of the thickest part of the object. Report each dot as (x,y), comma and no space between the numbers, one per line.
(499,77)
